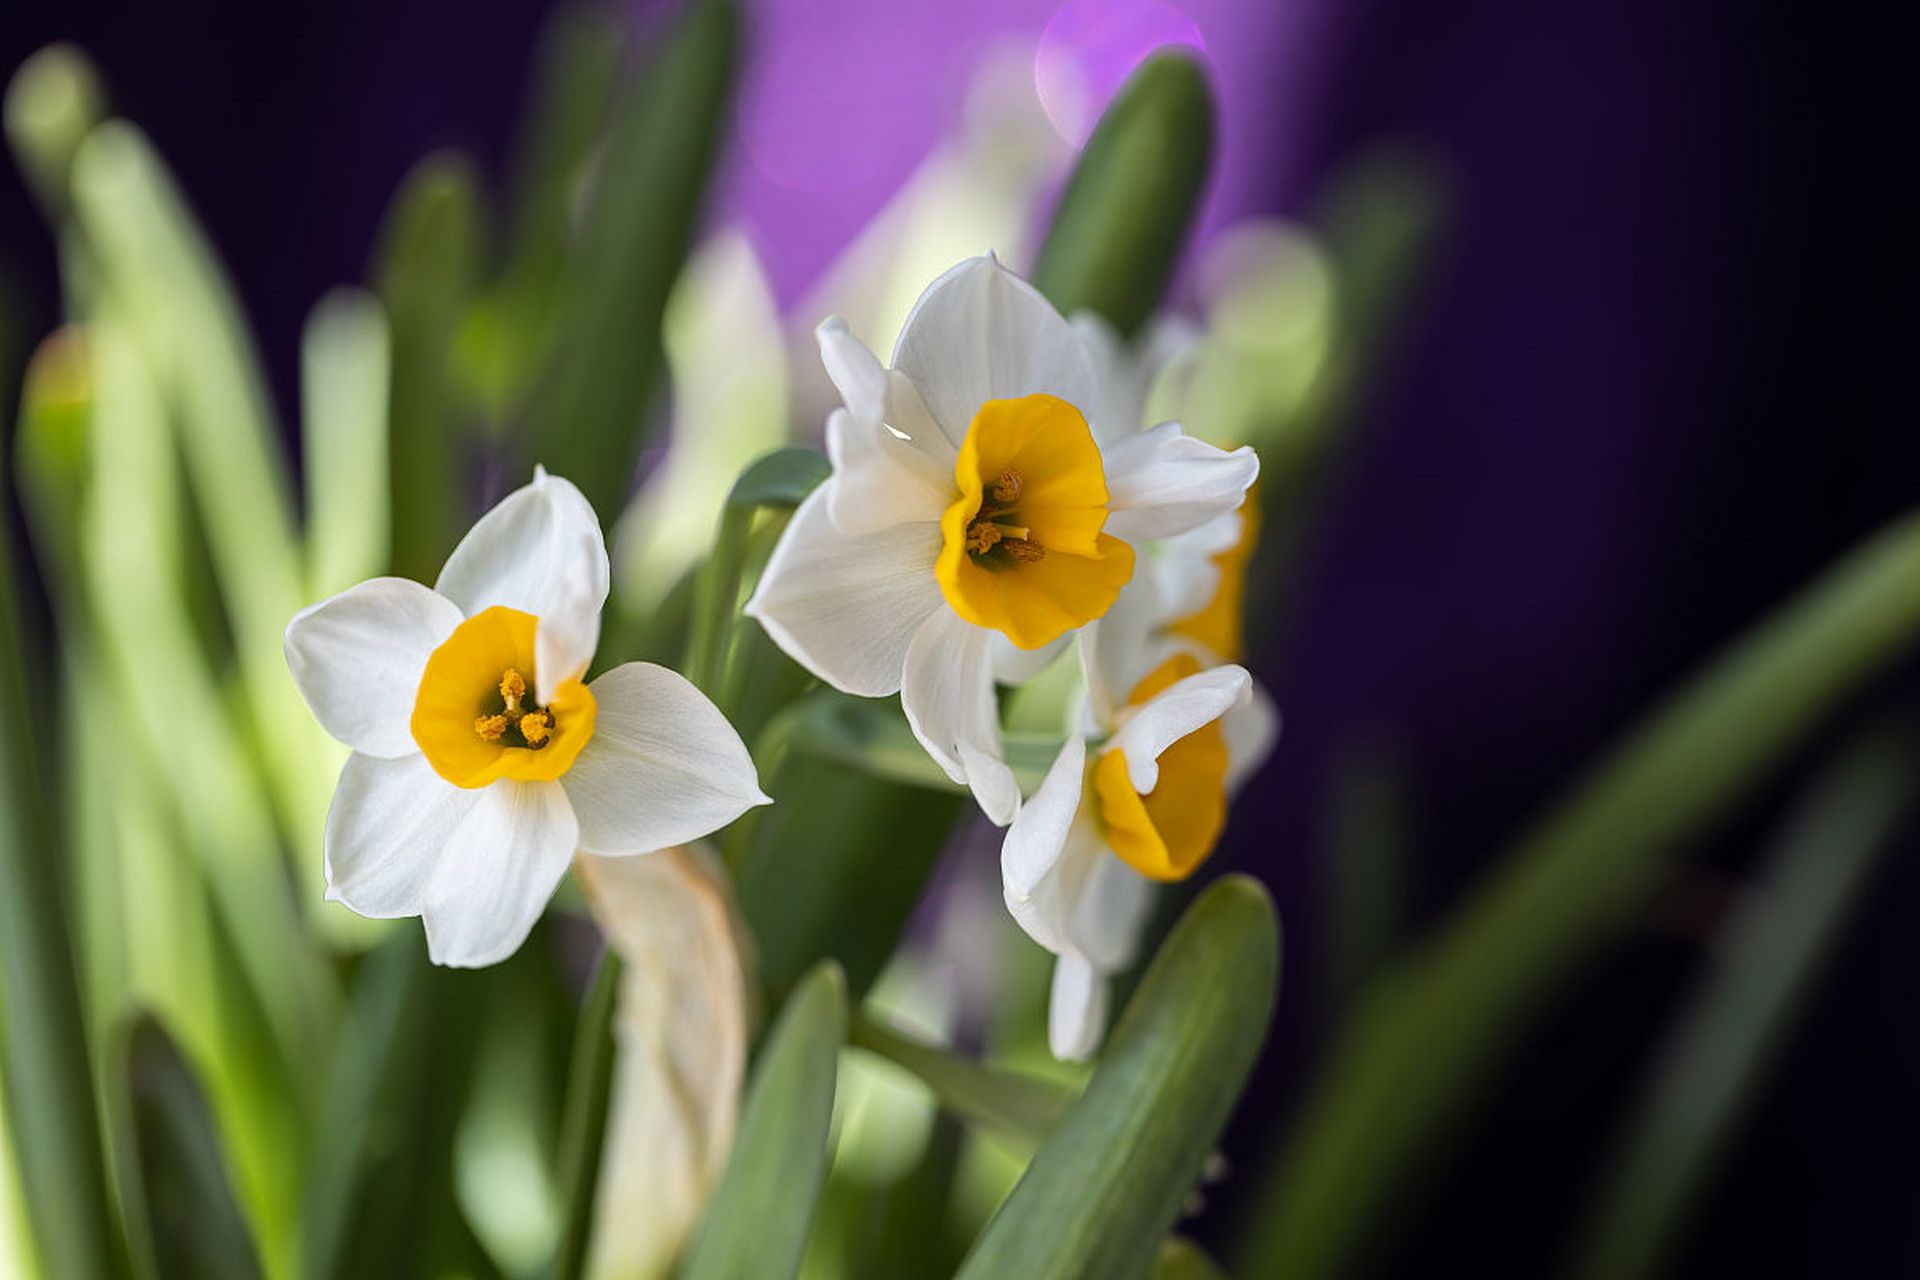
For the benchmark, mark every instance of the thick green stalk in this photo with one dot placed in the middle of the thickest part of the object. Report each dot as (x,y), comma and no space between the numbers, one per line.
(1426,1043)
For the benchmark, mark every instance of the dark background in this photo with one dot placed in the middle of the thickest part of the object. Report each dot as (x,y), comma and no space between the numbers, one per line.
(1662,371)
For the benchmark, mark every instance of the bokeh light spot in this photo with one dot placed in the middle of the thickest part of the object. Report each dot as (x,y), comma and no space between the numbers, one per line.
(1090,47)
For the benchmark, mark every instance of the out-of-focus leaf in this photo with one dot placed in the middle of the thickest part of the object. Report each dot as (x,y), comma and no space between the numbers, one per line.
(1366,866)
(182,1217)
(681,1050)
(834,867)
(587,409)
(1116,237)
(757,1223)
(573,83)
(1426,1041)
(52,102)
(55,1128)
(1184,1260)
(344,392)
(379,1192)
(1017,1105)
(781,479)
(1106,1186)
(156,270)
(1767,961)
(424,270)
(584,1129)
(726,360)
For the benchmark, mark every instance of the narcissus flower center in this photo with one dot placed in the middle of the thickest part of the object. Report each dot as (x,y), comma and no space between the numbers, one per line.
(1022,548)
(1167,833)
(475,718)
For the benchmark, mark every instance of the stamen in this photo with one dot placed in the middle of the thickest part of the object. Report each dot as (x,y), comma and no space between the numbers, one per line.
(981,536)
(1008,489)
(1023,550)
(513,687)
(535,727)
(490,727)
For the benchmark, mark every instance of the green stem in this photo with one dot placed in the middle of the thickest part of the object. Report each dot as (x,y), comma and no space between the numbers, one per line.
(1428,1039)
(1019,1105)
(584,1128)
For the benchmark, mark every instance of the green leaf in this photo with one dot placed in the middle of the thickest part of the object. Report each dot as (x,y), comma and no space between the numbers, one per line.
(584,1130)
(1020,1106)
(1764,967)
(424,271)
(50,1105)
(782,479)
(835,866)
(1105,1188)
(588,408)
(1117,234)
(1184,1260)
(181,1211)
(757,1224)
(1427,1041)
(344,381)
(53,101)
(378,1197)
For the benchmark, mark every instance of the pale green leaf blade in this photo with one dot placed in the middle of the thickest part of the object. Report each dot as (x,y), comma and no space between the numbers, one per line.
(1107,1185)
(344,380)
(757,1225)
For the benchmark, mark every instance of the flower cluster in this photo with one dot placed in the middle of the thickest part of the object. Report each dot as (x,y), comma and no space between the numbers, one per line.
(995,493)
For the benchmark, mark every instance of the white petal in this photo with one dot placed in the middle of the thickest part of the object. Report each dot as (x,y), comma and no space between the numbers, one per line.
(357,659)
(881,480)
(1121,393)
(856,372)
(1251,730)
(1076,1010)
(540,551)
(1162,482)
(1037,839)
(947,693)
(981,333)
(389,822)
(1107,911)
(1183,568)
(501,866)
(1013,665)
(846,608)
(663,766)
(1172,714)
(1118,650)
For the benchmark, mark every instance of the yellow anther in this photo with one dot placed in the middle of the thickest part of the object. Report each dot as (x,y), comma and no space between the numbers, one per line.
(1007,490)
(1023,550)
(982,536)
(513,687)
(490,727)
(535,727)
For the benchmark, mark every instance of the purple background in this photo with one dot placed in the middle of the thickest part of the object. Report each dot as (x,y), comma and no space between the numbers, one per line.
(1657,380)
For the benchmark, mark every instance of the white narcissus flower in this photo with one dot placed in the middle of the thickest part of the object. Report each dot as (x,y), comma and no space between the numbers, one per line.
(680,1032)
(481,761)
(1175,730)
(973,519)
